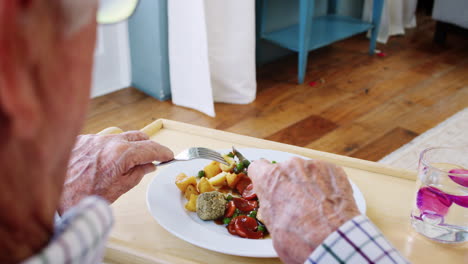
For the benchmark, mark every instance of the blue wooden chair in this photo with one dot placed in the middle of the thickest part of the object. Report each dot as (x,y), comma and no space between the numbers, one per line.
(315,32)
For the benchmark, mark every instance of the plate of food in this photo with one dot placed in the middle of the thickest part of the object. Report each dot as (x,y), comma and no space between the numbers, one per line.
(212,205)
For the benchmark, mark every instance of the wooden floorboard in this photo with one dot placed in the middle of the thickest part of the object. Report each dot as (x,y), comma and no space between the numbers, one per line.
(380,147)
(361,106)
(345,139)
(304,131)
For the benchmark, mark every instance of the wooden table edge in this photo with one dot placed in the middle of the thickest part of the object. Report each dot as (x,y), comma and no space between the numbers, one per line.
(345,161)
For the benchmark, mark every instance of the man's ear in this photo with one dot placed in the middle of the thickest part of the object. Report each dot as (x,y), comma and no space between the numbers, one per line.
(19,100)
(20,103)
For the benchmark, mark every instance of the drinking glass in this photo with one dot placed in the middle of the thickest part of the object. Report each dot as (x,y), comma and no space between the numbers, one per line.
(440,210)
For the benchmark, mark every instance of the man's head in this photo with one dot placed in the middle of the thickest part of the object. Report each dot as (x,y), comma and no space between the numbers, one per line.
(46,56)
(46,51)
(46,59)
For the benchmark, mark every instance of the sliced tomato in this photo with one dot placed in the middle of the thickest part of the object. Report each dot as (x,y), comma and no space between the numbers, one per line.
(244,205)
(243,183)
(230,209)
(239,227)
(254,234)
(249,193)
(245,227)
(231,227)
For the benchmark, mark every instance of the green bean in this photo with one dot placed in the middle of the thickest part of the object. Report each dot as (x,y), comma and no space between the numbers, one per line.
(261,228)
(201,174)
(227,220)
(253,214)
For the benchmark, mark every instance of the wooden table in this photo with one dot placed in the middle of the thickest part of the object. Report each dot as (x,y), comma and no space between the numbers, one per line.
(389,193)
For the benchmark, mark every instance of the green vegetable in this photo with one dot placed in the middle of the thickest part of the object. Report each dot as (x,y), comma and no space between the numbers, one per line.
(246,163)
(240,167)
(261,228)
(253,214)
(230,154)
(227,220)
(229,197)
(273,162)
(201,174)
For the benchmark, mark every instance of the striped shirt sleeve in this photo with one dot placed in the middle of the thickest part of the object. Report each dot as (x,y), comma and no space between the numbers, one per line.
(356,241)
(80,234)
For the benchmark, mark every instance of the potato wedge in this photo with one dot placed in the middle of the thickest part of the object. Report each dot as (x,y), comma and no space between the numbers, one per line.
(259,216)
(191,205)
(212,169)
(229,167)
(182,181)
(204,186)
(232,179)
(218,180)
(191,189)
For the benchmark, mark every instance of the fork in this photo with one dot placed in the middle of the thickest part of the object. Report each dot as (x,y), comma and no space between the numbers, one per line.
(196,153)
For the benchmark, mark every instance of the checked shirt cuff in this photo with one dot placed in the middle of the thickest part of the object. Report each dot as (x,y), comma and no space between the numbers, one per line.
(80,235)
(356,241)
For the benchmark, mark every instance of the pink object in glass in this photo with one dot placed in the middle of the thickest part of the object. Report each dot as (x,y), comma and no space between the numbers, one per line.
(431,199)
(462,180)
(460,200)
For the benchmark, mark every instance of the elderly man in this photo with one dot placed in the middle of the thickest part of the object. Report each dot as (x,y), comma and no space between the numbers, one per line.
(46,57)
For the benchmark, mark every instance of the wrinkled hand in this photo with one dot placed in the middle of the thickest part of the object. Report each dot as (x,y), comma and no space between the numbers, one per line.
(109,165)
(302,202)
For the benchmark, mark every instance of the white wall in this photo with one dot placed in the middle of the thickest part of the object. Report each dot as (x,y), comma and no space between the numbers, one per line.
(112,70)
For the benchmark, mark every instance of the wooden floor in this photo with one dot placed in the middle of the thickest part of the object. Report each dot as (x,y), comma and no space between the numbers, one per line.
(361,106)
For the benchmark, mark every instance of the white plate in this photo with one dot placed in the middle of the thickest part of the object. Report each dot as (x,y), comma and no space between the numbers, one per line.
(166,204)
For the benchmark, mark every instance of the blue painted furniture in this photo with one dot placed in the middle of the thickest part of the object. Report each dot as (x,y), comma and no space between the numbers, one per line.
(315,32)
(147,29)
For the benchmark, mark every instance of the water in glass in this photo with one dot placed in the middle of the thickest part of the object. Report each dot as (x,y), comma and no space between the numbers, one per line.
(440,210)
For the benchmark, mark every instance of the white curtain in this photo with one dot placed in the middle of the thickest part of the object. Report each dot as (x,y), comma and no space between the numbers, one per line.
(396,16)
(211,52)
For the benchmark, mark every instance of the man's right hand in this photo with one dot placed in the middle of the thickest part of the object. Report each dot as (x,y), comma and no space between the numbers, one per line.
(302,202)
(109,165)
